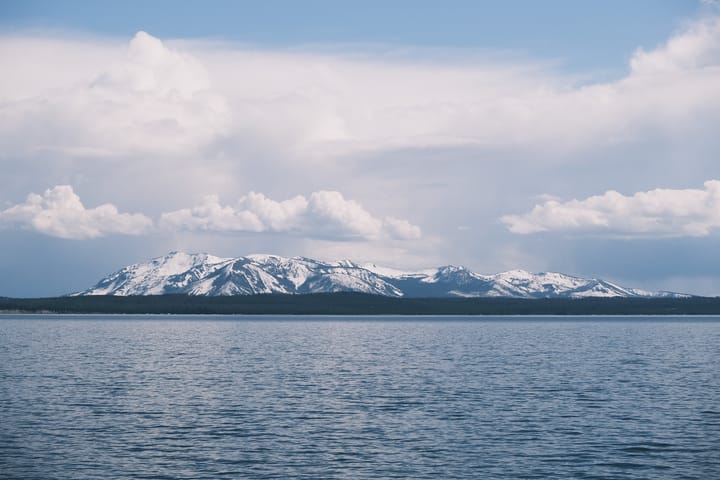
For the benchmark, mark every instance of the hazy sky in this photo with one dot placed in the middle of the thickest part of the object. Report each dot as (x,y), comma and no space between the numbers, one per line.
(564,136)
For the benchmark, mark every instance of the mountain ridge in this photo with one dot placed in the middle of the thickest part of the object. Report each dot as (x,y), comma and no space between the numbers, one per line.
(202,274)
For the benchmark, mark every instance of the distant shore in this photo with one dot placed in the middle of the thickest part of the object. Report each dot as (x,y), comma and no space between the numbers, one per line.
(359,304)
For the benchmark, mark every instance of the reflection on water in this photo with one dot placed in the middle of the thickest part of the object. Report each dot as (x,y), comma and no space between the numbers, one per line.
(202,397)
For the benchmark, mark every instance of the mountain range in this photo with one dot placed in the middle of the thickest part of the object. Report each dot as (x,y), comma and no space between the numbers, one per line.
(208,275)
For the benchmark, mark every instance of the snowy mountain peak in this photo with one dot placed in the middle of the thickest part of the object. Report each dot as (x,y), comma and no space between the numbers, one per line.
(262,257)
(517,274)
(450,269)
(205,274)
(347,264)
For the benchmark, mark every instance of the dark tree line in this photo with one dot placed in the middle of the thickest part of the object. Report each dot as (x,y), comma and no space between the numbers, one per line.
(361,304)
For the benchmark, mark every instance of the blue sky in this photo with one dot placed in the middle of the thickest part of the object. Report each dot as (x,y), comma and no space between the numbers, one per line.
(587,35)
(561,135)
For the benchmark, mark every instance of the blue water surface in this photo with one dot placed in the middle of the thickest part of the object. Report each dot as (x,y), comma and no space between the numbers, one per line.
(157,397)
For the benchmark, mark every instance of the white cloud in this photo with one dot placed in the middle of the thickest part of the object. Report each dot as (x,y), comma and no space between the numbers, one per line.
(330,103)
(331,215)
(325,214)
(155,98)
(60,213)
(668,212)
(153,123)
(210,215)
(277,216)
(151,67)
(146,98)
(698,47)
(401,229)
(253,213)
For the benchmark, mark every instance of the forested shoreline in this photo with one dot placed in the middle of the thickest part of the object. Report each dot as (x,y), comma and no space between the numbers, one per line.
(358,304)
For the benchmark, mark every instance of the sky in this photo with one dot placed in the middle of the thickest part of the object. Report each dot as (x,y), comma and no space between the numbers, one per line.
(561,136)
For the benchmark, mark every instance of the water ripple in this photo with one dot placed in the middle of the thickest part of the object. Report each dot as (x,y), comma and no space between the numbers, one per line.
(207,398)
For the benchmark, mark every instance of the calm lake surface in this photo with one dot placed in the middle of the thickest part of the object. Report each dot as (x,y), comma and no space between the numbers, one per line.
(361,398)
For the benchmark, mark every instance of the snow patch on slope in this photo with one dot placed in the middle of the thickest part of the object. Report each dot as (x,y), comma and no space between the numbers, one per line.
(204,274)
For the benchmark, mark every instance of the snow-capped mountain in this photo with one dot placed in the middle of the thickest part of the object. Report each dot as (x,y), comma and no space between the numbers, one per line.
(203,274)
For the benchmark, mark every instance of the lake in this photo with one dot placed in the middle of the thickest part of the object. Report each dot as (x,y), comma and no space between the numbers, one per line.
(153,397)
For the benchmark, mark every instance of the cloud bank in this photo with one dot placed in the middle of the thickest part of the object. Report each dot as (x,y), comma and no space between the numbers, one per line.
(146,98)
(446,138)
(325,214)
(60,213)
(665,212)
(161,99)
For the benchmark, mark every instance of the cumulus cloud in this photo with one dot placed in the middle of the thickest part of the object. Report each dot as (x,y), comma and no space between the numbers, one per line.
(325,214)
(178,100)
(698,47)
(60,213)
(329,213)
(402,229)
(152,67)
(253,213)
(146,98)
(162,120)
(340,104)
(667,212)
